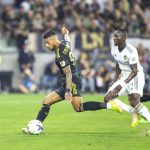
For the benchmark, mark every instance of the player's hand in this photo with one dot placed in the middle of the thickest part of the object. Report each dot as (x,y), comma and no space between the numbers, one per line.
(68,96)
(64,30)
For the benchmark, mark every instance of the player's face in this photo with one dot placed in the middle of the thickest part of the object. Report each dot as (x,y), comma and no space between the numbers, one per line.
(118,38)
(50,43)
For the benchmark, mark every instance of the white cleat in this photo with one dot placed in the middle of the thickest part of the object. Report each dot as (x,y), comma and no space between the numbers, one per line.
(25,130)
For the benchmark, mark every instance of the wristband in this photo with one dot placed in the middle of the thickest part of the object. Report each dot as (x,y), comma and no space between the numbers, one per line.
(68,90)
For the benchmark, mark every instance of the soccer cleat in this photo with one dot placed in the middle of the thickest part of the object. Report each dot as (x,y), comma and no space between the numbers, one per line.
(134,122)
(25,130)
(115,107)
(142,120)
(138,119)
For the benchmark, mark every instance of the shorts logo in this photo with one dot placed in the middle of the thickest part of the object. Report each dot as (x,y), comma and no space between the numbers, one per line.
(62,63)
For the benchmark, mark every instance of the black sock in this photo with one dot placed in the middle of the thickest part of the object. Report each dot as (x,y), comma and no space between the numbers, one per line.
(43,113)
(94,106)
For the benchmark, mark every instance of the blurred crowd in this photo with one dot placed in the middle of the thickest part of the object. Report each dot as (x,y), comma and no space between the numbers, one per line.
(18,18)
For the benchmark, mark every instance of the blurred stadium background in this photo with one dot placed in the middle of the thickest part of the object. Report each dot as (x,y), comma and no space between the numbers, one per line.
(90,22)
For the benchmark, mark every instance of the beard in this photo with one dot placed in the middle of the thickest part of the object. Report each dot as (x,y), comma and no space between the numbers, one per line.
(53,48)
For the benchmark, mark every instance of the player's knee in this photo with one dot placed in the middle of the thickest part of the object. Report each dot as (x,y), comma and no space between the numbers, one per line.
(135,103)
(109,96)
(135,100)
(106,98)
(46,101)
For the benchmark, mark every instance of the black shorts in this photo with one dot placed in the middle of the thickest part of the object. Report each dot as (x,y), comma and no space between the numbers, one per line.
(76,89)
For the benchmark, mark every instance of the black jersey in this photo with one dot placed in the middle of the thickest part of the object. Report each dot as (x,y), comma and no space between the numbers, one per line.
(64,57)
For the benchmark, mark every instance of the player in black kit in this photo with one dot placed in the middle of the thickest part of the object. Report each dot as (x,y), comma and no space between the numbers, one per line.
(69,78)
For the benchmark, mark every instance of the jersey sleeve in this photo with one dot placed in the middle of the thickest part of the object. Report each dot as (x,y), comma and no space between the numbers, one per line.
(66,40)
(133,59)
(63,60)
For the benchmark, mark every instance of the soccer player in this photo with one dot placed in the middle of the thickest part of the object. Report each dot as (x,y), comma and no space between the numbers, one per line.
(129,76)
(70,79)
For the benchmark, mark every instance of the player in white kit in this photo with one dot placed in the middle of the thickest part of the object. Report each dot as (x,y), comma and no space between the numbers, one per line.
(129,76)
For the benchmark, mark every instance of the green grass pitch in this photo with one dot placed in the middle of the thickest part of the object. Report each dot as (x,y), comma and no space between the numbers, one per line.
(65,129)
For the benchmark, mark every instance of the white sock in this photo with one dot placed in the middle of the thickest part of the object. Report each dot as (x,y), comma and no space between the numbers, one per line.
(124,106)
(145,113)
(108,105)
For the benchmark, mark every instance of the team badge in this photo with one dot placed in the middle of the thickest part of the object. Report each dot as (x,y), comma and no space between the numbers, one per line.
(125,57)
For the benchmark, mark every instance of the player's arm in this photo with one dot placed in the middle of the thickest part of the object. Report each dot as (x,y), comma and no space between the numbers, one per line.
(65,33)
(117,75)
(128,79)
(117,72)
(132,74)
(68,74)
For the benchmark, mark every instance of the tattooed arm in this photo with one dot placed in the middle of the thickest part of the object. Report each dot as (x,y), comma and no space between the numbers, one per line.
(68,94)
(67,72)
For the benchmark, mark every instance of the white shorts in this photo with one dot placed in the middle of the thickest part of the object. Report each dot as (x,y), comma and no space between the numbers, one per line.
(136,85)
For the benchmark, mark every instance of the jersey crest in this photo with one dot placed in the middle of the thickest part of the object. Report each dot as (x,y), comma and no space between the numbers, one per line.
(125,58)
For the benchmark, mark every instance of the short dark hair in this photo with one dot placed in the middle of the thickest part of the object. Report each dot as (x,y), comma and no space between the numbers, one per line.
(122,31)
(49,34)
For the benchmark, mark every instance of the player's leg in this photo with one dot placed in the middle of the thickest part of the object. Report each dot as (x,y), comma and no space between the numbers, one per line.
(111,93)
(135,116)
(91,105)
(136,93)
(47,102)
(124,106)
(139,107)
(80,106)
(128,109)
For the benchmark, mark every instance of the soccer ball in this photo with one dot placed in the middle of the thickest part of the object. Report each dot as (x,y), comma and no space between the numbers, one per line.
(35,127)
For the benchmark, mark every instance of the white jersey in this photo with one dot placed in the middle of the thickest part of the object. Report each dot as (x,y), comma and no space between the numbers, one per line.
(127,57)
